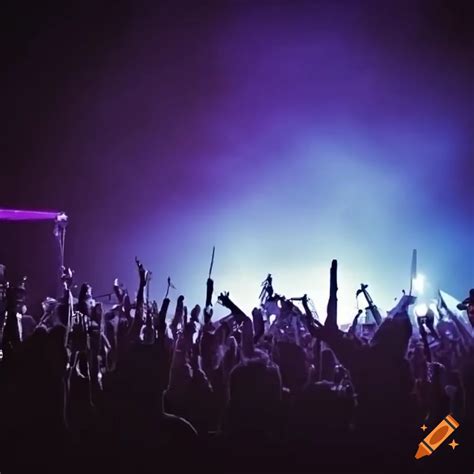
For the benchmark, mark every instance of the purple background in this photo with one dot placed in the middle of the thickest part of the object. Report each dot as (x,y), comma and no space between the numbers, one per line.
(285,133)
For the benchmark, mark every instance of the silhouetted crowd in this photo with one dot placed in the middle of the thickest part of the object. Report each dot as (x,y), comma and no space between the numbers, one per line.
(142,387)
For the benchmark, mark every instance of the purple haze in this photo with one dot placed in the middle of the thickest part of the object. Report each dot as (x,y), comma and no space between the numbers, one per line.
(284,133)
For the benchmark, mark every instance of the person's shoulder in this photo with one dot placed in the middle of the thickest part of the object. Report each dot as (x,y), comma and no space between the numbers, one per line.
(177,426)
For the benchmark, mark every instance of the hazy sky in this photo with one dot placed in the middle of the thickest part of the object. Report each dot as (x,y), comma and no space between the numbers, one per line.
(285,133)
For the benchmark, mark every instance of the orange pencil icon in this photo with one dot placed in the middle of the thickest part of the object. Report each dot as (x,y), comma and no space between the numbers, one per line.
(436,437)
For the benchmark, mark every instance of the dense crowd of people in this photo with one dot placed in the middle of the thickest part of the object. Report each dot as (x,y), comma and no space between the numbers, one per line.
(142,387)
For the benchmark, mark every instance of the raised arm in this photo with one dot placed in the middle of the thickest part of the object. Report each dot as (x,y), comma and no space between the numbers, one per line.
(331,320)
(353,328)
(67,306)
(241,318)
(311,322)
(225,300)
(161,326)
(208,308)
(178,317)
(138,320)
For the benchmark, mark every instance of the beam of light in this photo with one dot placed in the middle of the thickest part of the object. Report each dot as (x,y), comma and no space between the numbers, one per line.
(419,284)
(21,215)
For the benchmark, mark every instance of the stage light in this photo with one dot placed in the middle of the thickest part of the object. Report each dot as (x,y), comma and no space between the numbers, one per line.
(419,284)
(421,310)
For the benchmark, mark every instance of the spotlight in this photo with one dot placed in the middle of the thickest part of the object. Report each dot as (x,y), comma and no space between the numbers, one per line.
(419,284)
(421,310)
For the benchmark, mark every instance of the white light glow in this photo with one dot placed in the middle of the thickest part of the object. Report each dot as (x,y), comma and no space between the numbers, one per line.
(293,280)
(421,310)
(419,284)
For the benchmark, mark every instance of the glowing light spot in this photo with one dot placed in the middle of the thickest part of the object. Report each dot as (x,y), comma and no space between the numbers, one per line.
(419,284)
(421,310)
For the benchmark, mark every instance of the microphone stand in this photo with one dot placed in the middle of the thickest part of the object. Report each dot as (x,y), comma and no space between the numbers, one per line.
(60,224)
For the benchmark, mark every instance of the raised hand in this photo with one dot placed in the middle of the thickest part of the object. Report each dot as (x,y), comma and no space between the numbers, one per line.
(225,300)
(178,315)
(136,325)
(67,278)
(195,312)
(119,291)
(142,273)
(139,312)
(162,316)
